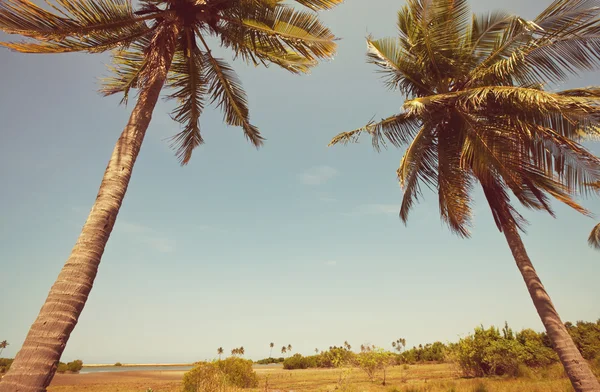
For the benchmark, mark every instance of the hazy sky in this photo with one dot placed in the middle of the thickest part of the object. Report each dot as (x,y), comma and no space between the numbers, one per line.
(295,243)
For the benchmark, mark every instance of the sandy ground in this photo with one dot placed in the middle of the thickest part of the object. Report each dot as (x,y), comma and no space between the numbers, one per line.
(133,377)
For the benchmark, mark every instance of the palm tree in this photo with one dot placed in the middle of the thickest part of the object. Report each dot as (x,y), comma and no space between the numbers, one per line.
(271,345)
(399,344)
(316,351)
(347,345)
(162,42)
(220,352)
(283,349)
(289,349)
(477,112)
(3,345)
(241,351)
(235,351)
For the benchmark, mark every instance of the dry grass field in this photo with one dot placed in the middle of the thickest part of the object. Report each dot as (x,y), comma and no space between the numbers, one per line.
(415,378)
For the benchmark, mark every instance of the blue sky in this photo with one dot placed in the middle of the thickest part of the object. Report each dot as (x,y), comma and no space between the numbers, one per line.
(295,243)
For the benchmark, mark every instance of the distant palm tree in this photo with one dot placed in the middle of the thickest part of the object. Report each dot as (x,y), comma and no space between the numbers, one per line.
(271,351)
(3,345)
(283,349)
(234,351)
(399,344)
(477,113)
(347,346)
(220,352)
(162,43)
(316,350)
(241,351)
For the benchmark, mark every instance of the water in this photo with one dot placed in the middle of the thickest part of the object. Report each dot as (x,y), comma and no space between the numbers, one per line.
(107,369)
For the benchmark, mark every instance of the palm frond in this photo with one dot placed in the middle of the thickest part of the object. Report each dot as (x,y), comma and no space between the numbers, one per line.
(564,40)
(418,165)
(454,182)
(400,68)
(594,238)
(127,66)
(187,78)
(281,28)
(398,130)
(318,5)
(75,19)
(226,91)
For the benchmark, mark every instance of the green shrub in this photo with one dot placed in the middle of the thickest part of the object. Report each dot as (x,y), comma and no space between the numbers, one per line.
(586,336)
(268,361)
(489,352)
(218,376)
(118,364)
(5,364)
(75,366)
(297,361)
(62,367)
(373,361)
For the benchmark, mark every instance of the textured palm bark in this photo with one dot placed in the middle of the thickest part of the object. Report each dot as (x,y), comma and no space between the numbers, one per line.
(576,367)
(36,363)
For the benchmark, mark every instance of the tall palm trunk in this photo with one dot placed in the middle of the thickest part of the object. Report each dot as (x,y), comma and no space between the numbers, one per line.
(578,370)
(36,363)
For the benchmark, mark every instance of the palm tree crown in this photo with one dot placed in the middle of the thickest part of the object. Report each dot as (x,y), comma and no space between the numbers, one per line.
(477,110)
(258,31)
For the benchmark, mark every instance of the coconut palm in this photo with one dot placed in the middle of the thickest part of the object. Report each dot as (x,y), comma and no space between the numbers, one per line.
(163,42)
(347,345)
(241,351)
(399,344)
(283,349)
(477,113)
(289,349)
(271,345)
(220,352)
(3,345)
(316,350)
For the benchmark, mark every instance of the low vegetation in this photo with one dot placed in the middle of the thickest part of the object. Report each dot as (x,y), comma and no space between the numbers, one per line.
(5,364)
(220,376)
(71,367)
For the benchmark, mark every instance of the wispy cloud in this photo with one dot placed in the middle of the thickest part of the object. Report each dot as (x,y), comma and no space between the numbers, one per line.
(375,209)
(317,175)
(146,235)
(331,263)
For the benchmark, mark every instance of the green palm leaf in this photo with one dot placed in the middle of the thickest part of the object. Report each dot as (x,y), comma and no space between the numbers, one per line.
(226,91)
(188,79)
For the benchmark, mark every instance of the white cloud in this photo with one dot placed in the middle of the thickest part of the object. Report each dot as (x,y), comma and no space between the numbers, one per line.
(375,209)
(317,175)
(331,263)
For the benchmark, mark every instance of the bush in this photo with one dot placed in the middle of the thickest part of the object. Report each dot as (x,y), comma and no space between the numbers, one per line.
(373,361)
(218,375)
(72,367)
(118,364)
(75,366)
(489,352)
(62,367)
(268,361)
(5,364)
(586,336)
(297,361)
